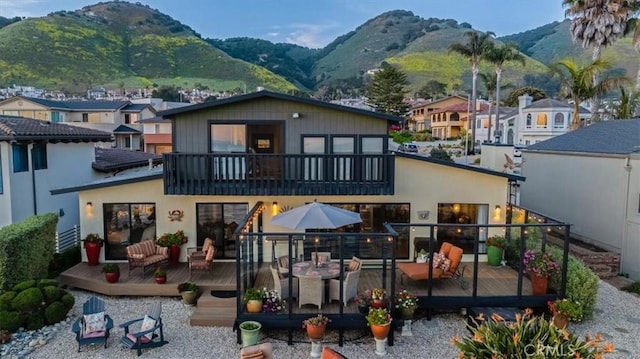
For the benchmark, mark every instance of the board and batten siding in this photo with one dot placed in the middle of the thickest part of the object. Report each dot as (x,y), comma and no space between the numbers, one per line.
(192,129)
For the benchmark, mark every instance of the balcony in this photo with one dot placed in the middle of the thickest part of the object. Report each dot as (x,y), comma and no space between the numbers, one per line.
(278,174)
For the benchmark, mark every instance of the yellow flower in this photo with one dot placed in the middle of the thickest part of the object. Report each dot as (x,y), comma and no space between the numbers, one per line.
(454,340)
(497,318)
(480,316)
(516,339)
(518,318)
(565,334)
(528,311)
(598,338)
(608,348)
(477,337)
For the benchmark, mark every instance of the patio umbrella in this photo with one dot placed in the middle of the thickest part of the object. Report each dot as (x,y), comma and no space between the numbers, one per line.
(316,215)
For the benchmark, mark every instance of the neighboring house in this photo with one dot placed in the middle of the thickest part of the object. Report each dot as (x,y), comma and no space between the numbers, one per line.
(482,124)
(421,112)
(538,121)
(37,156)
(448,122)
(590,178)
(100,115)
(157,135)
(127,138)
(284,151)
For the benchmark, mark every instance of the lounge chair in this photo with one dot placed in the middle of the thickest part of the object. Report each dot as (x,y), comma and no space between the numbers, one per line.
(420,271)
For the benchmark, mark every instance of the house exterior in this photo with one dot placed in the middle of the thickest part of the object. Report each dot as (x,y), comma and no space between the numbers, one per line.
(422,114)
(100,115)
(285,151)
(537,121)
(157,135)
(591,178)
(37,156)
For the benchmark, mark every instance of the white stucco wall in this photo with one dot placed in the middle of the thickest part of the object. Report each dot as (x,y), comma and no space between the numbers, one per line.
(419,183)
(5,197)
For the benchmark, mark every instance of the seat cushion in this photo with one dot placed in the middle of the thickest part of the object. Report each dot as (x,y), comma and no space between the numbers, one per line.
(98,334)
(418,271)
(143,339)
(328,353)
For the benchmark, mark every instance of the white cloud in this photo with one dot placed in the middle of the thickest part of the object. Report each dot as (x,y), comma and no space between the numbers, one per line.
(273,34)
(311,35)
(12,8)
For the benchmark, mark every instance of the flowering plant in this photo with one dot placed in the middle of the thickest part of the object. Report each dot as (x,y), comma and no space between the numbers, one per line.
(568,307)
(404,299)
(378,294)
(364,298)
(187,287)
(272,302)
(378,316)
(168,239)
(541,263)
(316,321)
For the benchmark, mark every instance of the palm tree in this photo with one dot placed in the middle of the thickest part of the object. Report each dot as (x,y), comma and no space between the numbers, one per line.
(578,85)
(598,23)
(490,81)
(498,55)
(474,50)
(626,107)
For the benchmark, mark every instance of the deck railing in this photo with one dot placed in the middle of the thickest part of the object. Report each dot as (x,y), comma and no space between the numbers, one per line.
(278,174)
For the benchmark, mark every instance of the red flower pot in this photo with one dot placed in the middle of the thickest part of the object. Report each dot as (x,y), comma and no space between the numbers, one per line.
(380,331)
(316,332)
(93,253)
(174,254)
(161,280)
(112,277)
(539,284)
(378,303)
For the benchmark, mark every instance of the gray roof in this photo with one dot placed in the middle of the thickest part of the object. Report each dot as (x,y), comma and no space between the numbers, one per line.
(14,128)
(606,137)
(553,103)
(276,95)
(79,105)
(156,119)
(126,178)
(122,129)
(115,159)
(137,107)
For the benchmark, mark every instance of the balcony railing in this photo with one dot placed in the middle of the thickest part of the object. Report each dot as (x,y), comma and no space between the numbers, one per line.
(278,174)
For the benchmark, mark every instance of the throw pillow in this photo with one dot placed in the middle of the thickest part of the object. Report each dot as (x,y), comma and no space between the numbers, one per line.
(438,258)
(148,323)
(94,323)
(446,264)
(353,266)
(328,353)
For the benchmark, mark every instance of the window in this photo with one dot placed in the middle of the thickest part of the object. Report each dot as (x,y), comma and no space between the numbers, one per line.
(454,117)
(314,165)
(125,224)
(127,142)
(462,213)
(20,158)
(342,166)
(228,138)
(127,118)
(528,120)
(218,221)
(541,120)
(558,121)
(55,117)
(157,128)
(85,117)
(39,156)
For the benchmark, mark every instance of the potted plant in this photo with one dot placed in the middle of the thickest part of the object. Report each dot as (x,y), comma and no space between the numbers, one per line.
(253,298)
(540,266)
(495,248)
(364,301)
(173,241)
(378,298)
(249,331)
(379,320)
(111,272)
(92,244)
(272,302)
(189,292)
(405,304)
(316,326)
(565,310)
(161,275)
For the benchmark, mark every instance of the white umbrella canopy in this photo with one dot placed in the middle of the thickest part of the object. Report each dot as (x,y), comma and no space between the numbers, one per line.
(316,215)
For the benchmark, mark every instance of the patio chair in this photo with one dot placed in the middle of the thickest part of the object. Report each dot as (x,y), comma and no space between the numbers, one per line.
(283,265)
(350,286)
(149,335)
(420,271)
(310,290)
(202,263)
(200,251)
(282,285)
(322,257)
(94,325)
(354,264)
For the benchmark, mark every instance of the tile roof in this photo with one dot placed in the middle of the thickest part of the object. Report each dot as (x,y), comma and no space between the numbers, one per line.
(606,137)
(14,128)
(116,159)
(553,103)
(460,107)
(276,95)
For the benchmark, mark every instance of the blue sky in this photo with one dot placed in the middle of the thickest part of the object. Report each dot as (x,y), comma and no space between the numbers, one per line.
(316,23)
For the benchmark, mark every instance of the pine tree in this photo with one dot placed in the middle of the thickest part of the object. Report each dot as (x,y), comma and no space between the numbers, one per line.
(387,90)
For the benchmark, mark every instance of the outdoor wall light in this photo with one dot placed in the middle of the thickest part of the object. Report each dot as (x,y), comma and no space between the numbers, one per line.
(89,209)
(274,208)
(496,213)
(295,115)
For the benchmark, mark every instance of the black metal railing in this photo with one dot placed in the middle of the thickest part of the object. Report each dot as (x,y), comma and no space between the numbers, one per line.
(278,174)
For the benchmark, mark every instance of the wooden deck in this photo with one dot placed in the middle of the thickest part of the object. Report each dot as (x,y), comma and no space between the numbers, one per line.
(213,310)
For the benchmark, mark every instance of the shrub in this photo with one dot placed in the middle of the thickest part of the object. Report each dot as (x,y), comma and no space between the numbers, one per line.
(51,293)
(529,336)
(5,300)
(10,321)
(633,288)
(35,321)
(55,312)
(29,300)
(68,300)
(24,285)
(45,282)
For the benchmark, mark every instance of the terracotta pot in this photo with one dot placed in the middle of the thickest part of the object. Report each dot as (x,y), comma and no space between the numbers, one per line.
(174,254)
(380,331)
(378,303)
(254,306)
(316,332)
(161,279)
(561,320)
(539,284)
(112,277)
(93,253)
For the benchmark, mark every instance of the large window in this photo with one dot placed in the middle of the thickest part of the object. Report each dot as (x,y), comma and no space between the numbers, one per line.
(558,121)
(541,120)
(218,221)
(228,138)
(528,120)
(20,158)
(462,213)
(125,224)
(39,156)
(343,167)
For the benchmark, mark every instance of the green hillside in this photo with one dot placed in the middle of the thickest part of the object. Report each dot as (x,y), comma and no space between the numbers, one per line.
(116,41)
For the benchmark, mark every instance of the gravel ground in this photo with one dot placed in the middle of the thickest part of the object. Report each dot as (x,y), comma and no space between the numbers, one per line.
(617,318)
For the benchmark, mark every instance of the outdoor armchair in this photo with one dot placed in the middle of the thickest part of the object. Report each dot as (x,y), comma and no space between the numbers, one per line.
(149,333)
(94,325)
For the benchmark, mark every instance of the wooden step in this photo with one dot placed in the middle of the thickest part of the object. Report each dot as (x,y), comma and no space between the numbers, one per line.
(214,311)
